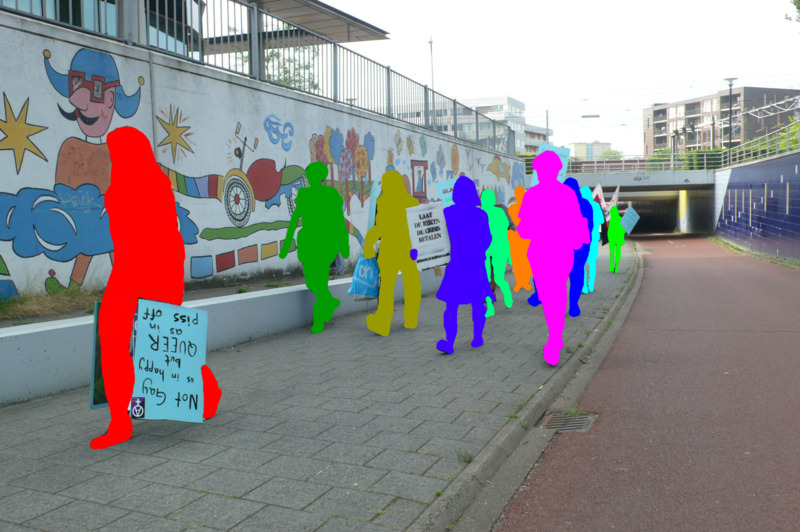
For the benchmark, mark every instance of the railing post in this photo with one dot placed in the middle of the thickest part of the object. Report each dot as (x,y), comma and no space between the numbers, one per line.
(427,109)
(477,127)
(455,119)
(494,135)
(253,39)
(335,71)
(389,91)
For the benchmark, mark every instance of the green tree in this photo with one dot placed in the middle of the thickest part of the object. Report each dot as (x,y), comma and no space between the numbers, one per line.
(610,155)
(796,4)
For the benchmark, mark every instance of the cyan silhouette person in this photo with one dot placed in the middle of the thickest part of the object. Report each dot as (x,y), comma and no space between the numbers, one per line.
(499,253)
(597,222)
(519,246)
(616,239)
(578,272)
(556,229)
(391,228)
(323,235)
(465,281)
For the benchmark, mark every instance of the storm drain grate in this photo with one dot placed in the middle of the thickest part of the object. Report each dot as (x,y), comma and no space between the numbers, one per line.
(564,423)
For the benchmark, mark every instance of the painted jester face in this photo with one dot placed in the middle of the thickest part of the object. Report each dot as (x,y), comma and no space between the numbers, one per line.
(94,102)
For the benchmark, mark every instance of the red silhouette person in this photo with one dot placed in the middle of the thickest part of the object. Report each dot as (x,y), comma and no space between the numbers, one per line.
(148,264)
(551,218)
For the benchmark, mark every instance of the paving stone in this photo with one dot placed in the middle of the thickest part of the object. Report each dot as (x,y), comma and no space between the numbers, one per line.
(248,439)
(340,524)
(37,449)
(301,429)
(403,461)
(444,415)
(74,432)
(442,430)
(54,478)
(136,522)
(294,494)
(142,444)
(303,413)
(293,467)
(348,476)
(393,424)
(347,393)
(450,448)
(346,405)
(176,473)
(414,487)
(471,404)
(389,409)
(482,420)
(9,438)
(301,447)
(279,519)
(241,459)
(158,499)
(5,526)
(191,451)
(254,423)
(157,427)
(438,401)
(348,419)
(353,504)
(201,432)
(104,488)
(482,435)
(398,441)
(27,504)
(216,511)
(347,453)
(7,489)
(14,467)
(77,516)
(400,514)
(228,482)
(348,434)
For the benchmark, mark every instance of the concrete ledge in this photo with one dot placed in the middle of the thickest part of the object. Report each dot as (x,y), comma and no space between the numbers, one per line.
(48,358)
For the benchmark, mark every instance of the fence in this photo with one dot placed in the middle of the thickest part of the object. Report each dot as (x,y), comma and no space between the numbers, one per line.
(241,38)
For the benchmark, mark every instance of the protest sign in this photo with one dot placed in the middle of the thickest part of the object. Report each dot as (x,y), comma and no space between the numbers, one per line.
(629,220)
(428,233)
(563,154)
(169,351)
(445,189)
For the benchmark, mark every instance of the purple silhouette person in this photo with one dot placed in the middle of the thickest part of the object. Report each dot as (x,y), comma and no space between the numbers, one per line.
(551,218)
(578,272)
(465,281)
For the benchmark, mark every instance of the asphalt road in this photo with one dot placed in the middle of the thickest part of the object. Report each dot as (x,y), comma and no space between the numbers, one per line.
(698,405)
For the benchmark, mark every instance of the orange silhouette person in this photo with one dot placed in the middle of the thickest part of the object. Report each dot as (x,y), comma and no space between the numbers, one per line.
(148,264)
(519,246)
(391,228)
(323,236)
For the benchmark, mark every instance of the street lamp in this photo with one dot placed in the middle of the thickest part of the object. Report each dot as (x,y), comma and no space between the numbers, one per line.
(730,111)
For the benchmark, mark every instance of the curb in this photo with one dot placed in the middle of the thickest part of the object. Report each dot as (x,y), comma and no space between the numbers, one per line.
(460,495)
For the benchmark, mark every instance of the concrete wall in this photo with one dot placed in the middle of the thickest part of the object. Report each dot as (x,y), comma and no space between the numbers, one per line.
(696,211)
(54,171)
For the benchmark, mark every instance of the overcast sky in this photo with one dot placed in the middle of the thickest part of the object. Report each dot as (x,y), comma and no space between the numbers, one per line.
(580,57)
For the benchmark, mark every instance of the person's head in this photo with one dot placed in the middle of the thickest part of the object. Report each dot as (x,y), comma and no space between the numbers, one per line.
(572,183)
(316,173)
(547,165)
(392,184)
(131,154)
(586,193)
(614,213)
(519,193)
(488,198)
(464,193)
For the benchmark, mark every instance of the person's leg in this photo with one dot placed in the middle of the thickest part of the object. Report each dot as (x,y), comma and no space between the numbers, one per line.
(534,300)
(499,263)
(478,322)
(617,257)
(115,325)
(381,322)
(611,249)
(576,280)
(450,319)
(490,273)
(412,287)
(316,275)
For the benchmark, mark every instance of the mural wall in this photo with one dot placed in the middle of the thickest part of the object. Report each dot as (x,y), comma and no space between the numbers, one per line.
(760,209)
(235,152)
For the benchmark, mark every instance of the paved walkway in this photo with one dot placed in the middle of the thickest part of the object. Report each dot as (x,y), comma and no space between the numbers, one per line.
(697,403)
(340,431)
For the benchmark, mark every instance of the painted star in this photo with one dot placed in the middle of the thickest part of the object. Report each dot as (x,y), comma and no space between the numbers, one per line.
(174,133)
(17,131)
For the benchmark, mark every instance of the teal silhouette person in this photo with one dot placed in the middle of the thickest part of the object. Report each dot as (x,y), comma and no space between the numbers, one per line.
(323,235)
(616,239)
(499,253)
(597,222)
(396,255)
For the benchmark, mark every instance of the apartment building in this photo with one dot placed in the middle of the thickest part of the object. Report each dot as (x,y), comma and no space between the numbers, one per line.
(509,111)
(702,123)
(589,151)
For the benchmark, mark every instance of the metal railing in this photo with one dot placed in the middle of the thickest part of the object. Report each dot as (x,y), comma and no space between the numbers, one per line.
(239,37)
(652,163)
(784,140)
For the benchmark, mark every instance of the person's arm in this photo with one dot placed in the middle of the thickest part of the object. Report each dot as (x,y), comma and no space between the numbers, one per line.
(287,243)
(371,238)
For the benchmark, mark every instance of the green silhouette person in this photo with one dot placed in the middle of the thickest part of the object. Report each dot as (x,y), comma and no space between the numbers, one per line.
(322,236)
(499,253)
(396,255)
(616,239)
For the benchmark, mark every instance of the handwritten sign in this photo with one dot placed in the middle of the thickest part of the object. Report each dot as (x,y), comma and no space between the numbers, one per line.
(429,237)
(445,189)
(629,220)
(563,154)
(169,350)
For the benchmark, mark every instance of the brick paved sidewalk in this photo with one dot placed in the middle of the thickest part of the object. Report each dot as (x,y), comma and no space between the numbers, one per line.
(343,431)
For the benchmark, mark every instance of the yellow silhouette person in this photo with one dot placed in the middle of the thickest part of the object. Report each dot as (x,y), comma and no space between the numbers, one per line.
(396,255)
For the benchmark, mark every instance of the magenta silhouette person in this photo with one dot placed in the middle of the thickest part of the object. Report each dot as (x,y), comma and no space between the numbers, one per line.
(551,218)
(465,281)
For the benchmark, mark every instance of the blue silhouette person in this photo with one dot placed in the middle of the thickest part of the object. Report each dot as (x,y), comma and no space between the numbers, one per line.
(465,281)
(578,272)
